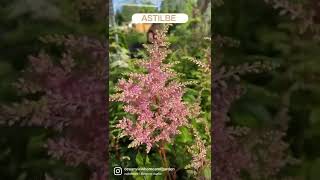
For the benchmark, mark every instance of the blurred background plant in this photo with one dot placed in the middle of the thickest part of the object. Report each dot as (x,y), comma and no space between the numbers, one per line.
(277,107)
(38,39)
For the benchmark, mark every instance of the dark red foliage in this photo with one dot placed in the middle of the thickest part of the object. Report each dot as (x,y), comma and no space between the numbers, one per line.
(68,94)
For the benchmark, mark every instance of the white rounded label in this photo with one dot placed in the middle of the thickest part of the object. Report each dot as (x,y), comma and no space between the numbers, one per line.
(159,18)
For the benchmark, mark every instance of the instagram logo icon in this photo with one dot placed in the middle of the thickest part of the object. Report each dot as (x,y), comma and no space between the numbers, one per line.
(117,171)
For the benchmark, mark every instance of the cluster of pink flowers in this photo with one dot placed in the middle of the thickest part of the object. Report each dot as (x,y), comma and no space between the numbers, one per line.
(154,98)
(199,154)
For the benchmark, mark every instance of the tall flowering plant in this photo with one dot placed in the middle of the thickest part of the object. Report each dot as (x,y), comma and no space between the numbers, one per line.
(153,97)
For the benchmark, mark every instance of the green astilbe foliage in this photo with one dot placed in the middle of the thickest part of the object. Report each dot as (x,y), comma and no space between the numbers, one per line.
(200,165)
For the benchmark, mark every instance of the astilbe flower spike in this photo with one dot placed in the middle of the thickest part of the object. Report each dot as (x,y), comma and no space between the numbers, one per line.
(154,98)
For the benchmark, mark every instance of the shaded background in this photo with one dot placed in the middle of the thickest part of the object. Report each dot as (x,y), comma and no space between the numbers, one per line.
(24,27)
(282,101)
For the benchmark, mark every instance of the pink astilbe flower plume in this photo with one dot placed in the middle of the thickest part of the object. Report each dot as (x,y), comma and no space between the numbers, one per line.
(154,98)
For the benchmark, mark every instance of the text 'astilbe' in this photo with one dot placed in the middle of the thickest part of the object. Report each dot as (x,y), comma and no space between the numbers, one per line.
(154,98)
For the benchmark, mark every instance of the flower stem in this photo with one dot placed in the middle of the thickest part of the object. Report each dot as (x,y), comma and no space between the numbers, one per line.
(164,161)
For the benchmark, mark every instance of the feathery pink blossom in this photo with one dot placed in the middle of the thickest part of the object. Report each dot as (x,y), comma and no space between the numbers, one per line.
(154,98)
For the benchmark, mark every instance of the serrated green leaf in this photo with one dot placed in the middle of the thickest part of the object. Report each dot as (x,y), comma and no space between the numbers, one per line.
(139,160)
